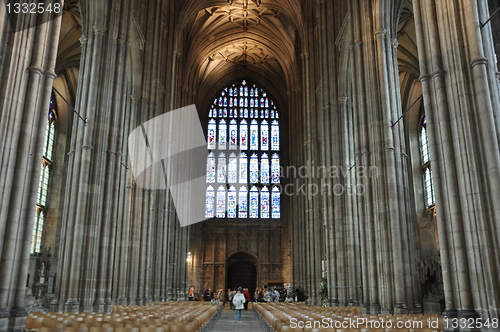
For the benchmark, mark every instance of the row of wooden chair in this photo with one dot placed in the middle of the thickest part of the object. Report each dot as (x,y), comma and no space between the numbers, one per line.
(287,317)
(157,317)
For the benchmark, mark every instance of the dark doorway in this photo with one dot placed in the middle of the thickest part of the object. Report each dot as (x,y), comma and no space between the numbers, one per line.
(242,272)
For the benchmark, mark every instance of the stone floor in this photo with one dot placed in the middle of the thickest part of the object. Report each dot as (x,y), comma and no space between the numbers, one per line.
(248,323)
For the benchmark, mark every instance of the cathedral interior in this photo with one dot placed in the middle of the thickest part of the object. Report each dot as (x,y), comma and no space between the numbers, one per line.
(351,150)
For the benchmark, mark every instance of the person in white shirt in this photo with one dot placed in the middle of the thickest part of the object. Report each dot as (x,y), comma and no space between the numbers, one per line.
(275,295)
(238,301)
(267,295)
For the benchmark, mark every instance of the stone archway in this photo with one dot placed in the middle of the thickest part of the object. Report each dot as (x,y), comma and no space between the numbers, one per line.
(242,271)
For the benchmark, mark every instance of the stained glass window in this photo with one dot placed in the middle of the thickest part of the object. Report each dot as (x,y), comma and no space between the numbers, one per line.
(209,204)
(424,142)
(254,202)
(232,169)
(242,126)
(275,136)
(254,135)
(243,203)
(276,202)
(264,203)
(254,169)
(275,169)
(243,135)
(243,168)
(221,202)
(264,135)
(211,168)
(222,135)
(233,135)
(212,127)
(264,169)
(231,203)
(426,162)
(43,186)
(221,168)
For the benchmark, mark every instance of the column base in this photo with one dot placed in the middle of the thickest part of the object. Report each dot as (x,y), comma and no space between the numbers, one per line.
(450,313)
(13,324)
(4,324)
(98,306)
(374,308)
(353,303)
(417,308)
(365,308)
(54,305)
(466,314)
(4,313)
(400,308)
(72,306)
(333,303)
(17,324)
(108,305)
(122,300)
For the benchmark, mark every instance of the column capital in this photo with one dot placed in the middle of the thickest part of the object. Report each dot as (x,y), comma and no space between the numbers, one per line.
(343,100)
(380,32)
(480,60)
(424,77)
(83,39)
(395,43)
(35,70)
(99,29)
(437,73)
(50,74)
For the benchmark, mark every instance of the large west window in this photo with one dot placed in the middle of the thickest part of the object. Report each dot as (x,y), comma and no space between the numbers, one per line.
(243,162)
(41,205)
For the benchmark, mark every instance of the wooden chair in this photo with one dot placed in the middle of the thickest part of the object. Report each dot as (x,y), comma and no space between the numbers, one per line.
(70,329)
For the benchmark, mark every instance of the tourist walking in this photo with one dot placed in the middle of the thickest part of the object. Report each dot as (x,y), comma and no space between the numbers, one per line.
(238,301)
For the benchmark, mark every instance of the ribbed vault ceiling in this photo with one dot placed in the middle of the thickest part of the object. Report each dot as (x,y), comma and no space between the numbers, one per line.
(230,37)
(69,50)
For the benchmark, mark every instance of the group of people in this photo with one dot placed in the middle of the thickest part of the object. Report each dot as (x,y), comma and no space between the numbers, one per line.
(232,293)
(208,295)
(239,298)
(274,295)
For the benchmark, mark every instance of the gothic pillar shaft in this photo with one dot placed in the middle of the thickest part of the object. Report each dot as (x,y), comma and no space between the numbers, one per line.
(462,109)
(28,62)
(385,61)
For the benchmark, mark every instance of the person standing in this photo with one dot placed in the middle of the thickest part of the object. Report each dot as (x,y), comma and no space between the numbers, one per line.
(275,295)
(230,296)
(246,294)
(267,295)
(238,301)
(191,294)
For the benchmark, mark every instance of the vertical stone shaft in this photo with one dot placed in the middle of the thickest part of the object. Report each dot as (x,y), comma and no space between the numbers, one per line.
(27,59)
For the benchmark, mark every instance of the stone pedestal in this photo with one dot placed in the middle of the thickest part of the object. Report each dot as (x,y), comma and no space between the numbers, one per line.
(433,306)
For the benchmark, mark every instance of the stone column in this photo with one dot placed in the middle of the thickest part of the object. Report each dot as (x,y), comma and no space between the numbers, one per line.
(462,110)
(27,60)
